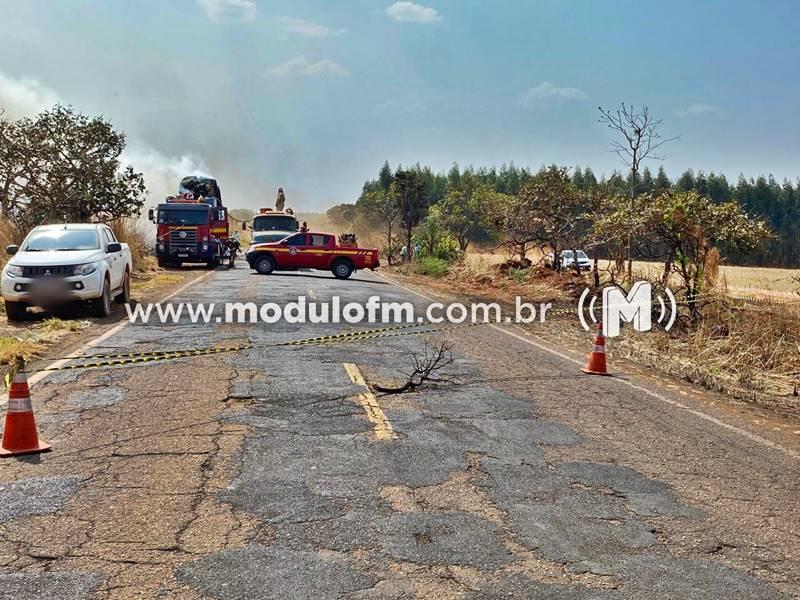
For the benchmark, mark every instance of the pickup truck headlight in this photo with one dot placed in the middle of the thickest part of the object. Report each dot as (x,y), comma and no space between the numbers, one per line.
(86,269)
(13,271)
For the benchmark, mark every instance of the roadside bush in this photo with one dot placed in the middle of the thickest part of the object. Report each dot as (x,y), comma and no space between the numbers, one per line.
(442,245)
(130,232)
(519,275)
(391,253)
(447,249)
(9,234)
(431,266)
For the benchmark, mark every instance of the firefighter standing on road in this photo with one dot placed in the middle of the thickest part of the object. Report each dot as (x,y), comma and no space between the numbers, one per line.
(281,201)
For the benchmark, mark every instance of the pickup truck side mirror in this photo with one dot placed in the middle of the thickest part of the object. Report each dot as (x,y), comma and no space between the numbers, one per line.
(114,247)
(12,249)
(151,215)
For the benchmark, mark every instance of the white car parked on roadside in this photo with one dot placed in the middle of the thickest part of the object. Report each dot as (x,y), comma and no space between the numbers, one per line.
(57,264)
(567,260)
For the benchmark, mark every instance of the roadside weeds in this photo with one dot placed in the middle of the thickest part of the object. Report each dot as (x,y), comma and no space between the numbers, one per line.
(751,353)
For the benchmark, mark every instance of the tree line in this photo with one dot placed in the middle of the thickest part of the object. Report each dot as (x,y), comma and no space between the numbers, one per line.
(63,166)
(460,198)
(684,226)
(617,216)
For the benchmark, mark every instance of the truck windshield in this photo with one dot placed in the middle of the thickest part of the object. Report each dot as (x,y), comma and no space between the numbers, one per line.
(182,217)
(266,238)
(62,239)
(274,223)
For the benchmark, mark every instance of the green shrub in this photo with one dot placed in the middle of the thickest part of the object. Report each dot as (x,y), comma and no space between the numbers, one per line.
(447,248)
(519,275)
(431,266)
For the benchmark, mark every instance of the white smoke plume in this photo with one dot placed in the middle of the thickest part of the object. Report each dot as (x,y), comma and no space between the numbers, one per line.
(161,173)
(26,97)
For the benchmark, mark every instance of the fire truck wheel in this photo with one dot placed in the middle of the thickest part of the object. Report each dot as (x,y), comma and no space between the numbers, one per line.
(265,265)
(342,269)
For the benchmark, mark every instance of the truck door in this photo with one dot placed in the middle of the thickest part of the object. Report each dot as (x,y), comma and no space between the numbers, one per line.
(115,261)
(293,252)
(318,250)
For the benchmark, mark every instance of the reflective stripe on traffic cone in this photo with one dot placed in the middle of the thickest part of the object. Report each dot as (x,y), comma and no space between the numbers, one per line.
(597,357)
(19,433)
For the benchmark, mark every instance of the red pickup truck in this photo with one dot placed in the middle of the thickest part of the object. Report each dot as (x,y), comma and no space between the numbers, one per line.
(311,250)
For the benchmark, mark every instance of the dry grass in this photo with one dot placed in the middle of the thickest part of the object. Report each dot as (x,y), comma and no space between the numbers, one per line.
(738,281)
(9,234)
(756,281)
(747,349)
(153,280)
(11,347)
(478,259)
(750,352)
(32,340)
(131,232)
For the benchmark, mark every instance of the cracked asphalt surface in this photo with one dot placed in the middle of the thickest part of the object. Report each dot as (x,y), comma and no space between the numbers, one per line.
(259,475)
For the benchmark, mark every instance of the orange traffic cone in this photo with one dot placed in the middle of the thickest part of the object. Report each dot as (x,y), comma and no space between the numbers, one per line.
(597,357)
(19,434)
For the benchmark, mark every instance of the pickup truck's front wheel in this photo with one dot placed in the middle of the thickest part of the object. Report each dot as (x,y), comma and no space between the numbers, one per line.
(342,269)
(101,307)
(16,311)
(265,265)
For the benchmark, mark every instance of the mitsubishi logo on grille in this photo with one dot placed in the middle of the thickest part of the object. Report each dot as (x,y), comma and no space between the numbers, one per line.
(182,234)
(47,273)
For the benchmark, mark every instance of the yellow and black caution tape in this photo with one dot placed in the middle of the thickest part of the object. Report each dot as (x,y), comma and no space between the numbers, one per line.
(166,355)
(138,358)
(351,334)
(147,354)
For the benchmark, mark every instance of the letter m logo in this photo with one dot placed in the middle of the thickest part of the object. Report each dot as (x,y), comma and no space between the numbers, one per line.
(634,308)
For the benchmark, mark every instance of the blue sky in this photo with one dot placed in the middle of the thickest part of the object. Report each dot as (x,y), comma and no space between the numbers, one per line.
(313,95)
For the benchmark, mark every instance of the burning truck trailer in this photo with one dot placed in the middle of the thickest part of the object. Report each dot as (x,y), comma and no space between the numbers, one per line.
(193,226)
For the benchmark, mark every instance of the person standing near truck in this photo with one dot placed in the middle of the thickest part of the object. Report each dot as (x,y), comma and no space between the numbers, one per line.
(281,201)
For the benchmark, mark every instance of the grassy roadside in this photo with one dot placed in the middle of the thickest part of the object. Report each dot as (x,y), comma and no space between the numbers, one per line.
(748,351)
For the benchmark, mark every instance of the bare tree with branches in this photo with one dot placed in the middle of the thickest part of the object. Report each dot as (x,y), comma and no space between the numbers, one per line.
(641,139)
(425,363)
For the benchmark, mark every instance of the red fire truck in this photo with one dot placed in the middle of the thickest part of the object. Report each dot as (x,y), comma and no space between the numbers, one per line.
(192,227)
(312,250)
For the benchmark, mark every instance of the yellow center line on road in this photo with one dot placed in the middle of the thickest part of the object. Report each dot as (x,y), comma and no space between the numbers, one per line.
(380,423)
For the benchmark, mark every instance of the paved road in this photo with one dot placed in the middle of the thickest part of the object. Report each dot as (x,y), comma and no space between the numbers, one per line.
(277,473)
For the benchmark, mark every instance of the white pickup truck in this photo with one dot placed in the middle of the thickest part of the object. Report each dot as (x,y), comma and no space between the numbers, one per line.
(57,264)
